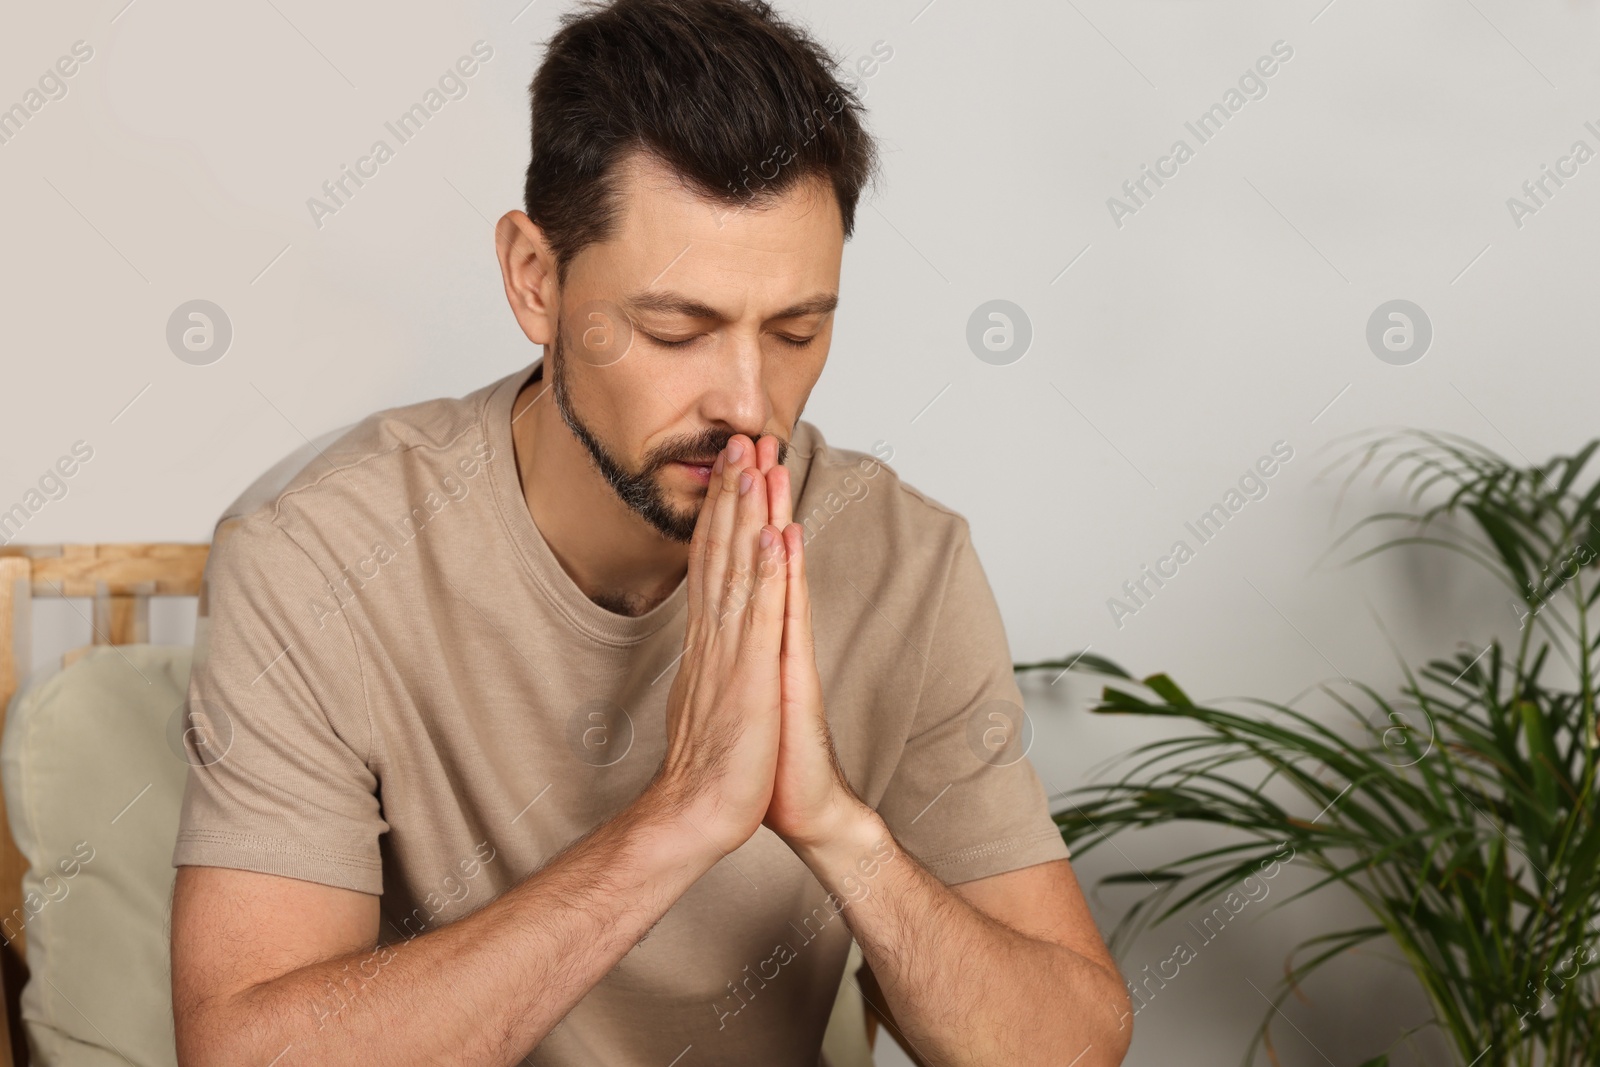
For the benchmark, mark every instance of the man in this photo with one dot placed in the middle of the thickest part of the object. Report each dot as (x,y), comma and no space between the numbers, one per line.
(585,718)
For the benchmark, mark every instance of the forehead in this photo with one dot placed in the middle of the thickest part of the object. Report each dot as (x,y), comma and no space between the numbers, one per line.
(669,236)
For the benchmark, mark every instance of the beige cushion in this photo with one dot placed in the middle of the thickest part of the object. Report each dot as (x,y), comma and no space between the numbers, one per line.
(93,784)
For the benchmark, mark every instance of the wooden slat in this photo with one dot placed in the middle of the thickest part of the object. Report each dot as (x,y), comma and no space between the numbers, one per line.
(15,627)
(175,570)
(121,619)
(15,652)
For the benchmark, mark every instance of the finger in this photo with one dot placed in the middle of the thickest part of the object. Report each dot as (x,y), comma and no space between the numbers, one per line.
(739,583)
(797,636)
(764,625)
(780,504)
(697,542)
(719,530)
(767,454)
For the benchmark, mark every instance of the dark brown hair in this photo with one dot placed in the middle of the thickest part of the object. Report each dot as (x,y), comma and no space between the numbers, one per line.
(741,105)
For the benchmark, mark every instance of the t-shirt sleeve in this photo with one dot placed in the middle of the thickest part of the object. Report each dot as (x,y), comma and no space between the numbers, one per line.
(275,728)
(964,798)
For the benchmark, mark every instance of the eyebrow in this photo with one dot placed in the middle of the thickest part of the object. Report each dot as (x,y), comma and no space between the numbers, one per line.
(670,302)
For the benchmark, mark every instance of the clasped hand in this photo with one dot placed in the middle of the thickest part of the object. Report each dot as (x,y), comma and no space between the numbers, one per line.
(747,736)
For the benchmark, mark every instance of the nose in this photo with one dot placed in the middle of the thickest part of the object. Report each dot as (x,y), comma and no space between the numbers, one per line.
(735,398)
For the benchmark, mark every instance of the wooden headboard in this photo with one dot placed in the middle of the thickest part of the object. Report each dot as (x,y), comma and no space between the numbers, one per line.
(119,581)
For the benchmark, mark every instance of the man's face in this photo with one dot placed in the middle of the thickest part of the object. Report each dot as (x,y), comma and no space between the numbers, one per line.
(694,322)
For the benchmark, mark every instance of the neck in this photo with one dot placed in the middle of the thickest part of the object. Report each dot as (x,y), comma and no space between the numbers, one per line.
(617,559)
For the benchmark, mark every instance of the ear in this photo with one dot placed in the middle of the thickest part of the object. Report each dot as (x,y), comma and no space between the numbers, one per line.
(528,270)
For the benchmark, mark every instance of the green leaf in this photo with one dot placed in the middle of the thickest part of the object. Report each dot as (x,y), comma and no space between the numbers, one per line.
(1541,754)
(1168,689)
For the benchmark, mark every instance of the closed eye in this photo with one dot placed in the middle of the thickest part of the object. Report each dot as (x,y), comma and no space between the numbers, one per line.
(664,343)
(792,342)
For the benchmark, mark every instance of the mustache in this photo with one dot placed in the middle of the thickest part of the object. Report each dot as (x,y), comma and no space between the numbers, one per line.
(706,448)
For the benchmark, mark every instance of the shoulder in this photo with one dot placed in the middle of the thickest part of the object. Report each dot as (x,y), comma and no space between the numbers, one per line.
(854,505)
(370,467)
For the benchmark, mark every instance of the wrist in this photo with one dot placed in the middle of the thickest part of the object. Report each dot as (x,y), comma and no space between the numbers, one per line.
(852,833)
(682,825)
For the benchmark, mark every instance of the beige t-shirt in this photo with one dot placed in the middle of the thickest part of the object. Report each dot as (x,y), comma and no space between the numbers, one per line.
(397,689)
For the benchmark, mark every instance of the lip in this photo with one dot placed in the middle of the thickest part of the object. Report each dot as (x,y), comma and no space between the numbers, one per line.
(700,472)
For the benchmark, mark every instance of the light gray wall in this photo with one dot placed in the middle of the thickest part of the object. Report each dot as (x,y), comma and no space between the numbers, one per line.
(1168,352)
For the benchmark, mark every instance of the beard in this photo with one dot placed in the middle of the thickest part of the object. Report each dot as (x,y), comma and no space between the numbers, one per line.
(641,490)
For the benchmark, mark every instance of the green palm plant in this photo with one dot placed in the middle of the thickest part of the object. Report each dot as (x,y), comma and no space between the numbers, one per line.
(1461,813)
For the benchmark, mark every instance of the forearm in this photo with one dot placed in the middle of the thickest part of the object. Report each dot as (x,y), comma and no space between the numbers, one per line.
(486,988)
(963,988)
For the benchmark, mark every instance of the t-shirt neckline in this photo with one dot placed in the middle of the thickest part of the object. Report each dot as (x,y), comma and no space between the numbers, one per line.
(599,623)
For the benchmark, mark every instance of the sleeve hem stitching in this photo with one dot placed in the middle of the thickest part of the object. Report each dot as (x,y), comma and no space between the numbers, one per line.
(277,846)
(992,848)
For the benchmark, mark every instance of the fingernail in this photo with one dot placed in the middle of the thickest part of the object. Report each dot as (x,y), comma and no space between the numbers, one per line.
(735,451)
(766,537)
(716,468)
(745,482)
